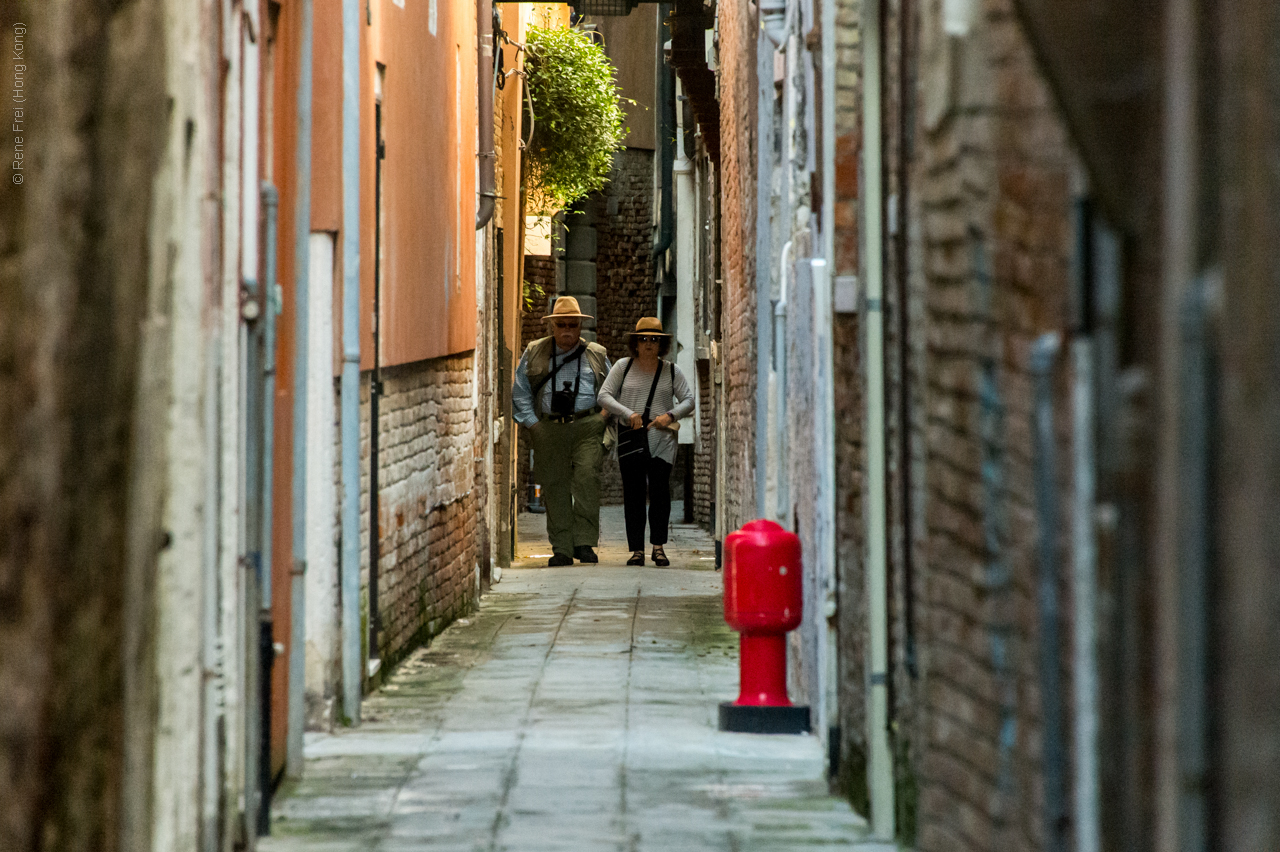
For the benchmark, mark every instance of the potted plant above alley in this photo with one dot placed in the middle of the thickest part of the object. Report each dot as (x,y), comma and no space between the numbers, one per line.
(575,117)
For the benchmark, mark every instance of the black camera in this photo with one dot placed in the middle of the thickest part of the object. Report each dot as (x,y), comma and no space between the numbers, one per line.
(562,401)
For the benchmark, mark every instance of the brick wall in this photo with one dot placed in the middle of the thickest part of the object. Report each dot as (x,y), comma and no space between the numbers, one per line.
(625,288)
(738,212)
(993,189)
(430,505)
(704,460)
(706,308)
(850,417)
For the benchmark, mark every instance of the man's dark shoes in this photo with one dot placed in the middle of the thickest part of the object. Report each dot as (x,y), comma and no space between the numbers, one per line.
(637,558)
(558,560)
(583,553)
(660,558)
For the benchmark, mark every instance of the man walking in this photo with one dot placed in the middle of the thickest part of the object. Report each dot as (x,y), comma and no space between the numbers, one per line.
(555,399)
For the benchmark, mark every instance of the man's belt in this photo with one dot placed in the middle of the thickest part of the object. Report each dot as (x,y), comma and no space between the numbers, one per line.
(569,418)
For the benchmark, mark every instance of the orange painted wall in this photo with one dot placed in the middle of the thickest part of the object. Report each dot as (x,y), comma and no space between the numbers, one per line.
(326,117)
(428,285)
(429,118)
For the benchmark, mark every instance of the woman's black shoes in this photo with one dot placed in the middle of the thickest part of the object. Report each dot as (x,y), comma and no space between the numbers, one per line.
(559,559)
(637,558)
(659,558)
(583,553)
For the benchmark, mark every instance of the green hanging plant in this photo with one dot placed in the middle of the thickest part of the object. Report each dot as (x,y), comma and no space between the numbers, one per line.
(534,295)
(576,118)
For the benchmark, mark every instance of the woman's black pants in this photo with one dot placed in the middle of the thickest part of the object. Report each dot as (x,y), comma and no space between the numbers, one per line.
(649,477)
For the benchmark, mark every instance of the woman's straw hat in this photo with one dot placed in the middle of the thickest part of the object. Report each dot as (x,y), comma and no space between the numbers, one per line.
(650,326)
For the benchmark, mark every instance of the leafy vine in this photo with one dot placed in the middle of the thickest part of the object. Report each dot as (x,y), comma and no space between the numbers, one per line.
(576,114)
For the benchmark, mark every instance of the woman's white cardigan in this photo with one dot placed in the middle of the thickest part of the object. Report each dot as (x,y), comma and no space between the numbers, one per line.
(671,397)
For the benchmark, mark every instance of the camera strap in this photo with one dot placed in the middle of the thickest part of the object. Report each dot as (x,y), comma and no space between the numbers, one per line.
(575,355)
(652,389)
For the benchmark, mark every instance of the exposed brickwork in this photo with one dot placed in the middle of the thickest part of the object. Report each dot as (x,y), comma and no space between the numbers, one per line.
(898,278)
(850,416)
(850,551)
(994,224)
(625,288)
(706,307)
(539,271)
(429,508)
(704,460)
(624,267)
(738,234)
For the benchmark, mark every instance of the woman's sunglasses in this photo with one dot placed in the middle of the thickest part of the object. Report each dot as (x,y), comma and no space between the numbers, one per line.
(647,339)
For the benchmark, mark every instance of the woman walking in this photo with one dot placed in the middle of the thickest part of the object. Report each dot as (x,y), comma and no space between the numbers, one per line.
(648,396)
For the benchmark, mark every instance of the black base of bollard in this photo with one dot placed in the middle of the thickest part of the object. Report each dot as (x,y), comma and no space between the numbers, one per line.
(754,719)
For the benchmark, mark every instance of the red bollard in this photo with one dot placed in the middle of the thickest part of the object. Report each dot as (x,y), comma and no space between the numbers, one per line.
(763,601)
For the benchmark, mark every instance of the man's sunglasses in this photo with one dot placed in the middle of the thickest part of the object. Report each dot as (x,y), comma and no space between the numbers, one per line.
(647,339)
(567,325)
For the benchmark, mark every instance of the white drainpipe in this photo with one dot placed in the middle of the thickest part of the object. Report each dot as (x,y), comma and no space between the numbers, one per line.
(322,579)
(879,756)
(686,225)
(782,490)
(352,659)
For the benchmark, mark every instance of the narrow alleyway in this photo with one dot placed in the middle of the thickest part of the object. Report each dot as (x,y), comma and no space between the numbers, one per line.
(575,711)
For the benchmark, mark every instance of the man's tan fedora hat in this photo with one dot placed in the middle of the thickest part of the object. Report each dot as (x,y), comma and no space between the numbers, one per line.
(651,326)
(566,307)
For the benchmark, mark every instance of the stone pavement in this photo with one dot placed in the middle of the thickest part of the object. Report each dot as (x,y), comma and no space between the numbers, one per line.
(575,711)
(688,546)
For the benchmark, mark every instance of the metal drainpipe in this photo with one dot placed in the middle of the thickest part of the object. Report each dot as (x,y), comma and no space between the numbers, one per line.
(1043,354)
(375,392)
(1194,565)
(352,679)
(302,235)
(772,31)
(773,20)
(782,506)
(666,129)
(254,536)
(253,364)
(1084,599)
(271,301)
(880,782)
(1084,666)
(485,52)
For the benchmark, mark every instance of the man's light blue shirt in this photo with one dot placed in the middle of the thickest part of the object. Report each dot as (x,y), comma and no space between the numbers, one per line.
(522,392)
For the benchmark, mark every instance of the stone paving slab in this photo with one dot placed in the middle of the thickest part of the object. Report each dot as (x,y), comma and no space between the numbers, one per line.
(688,546)
(575,711)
